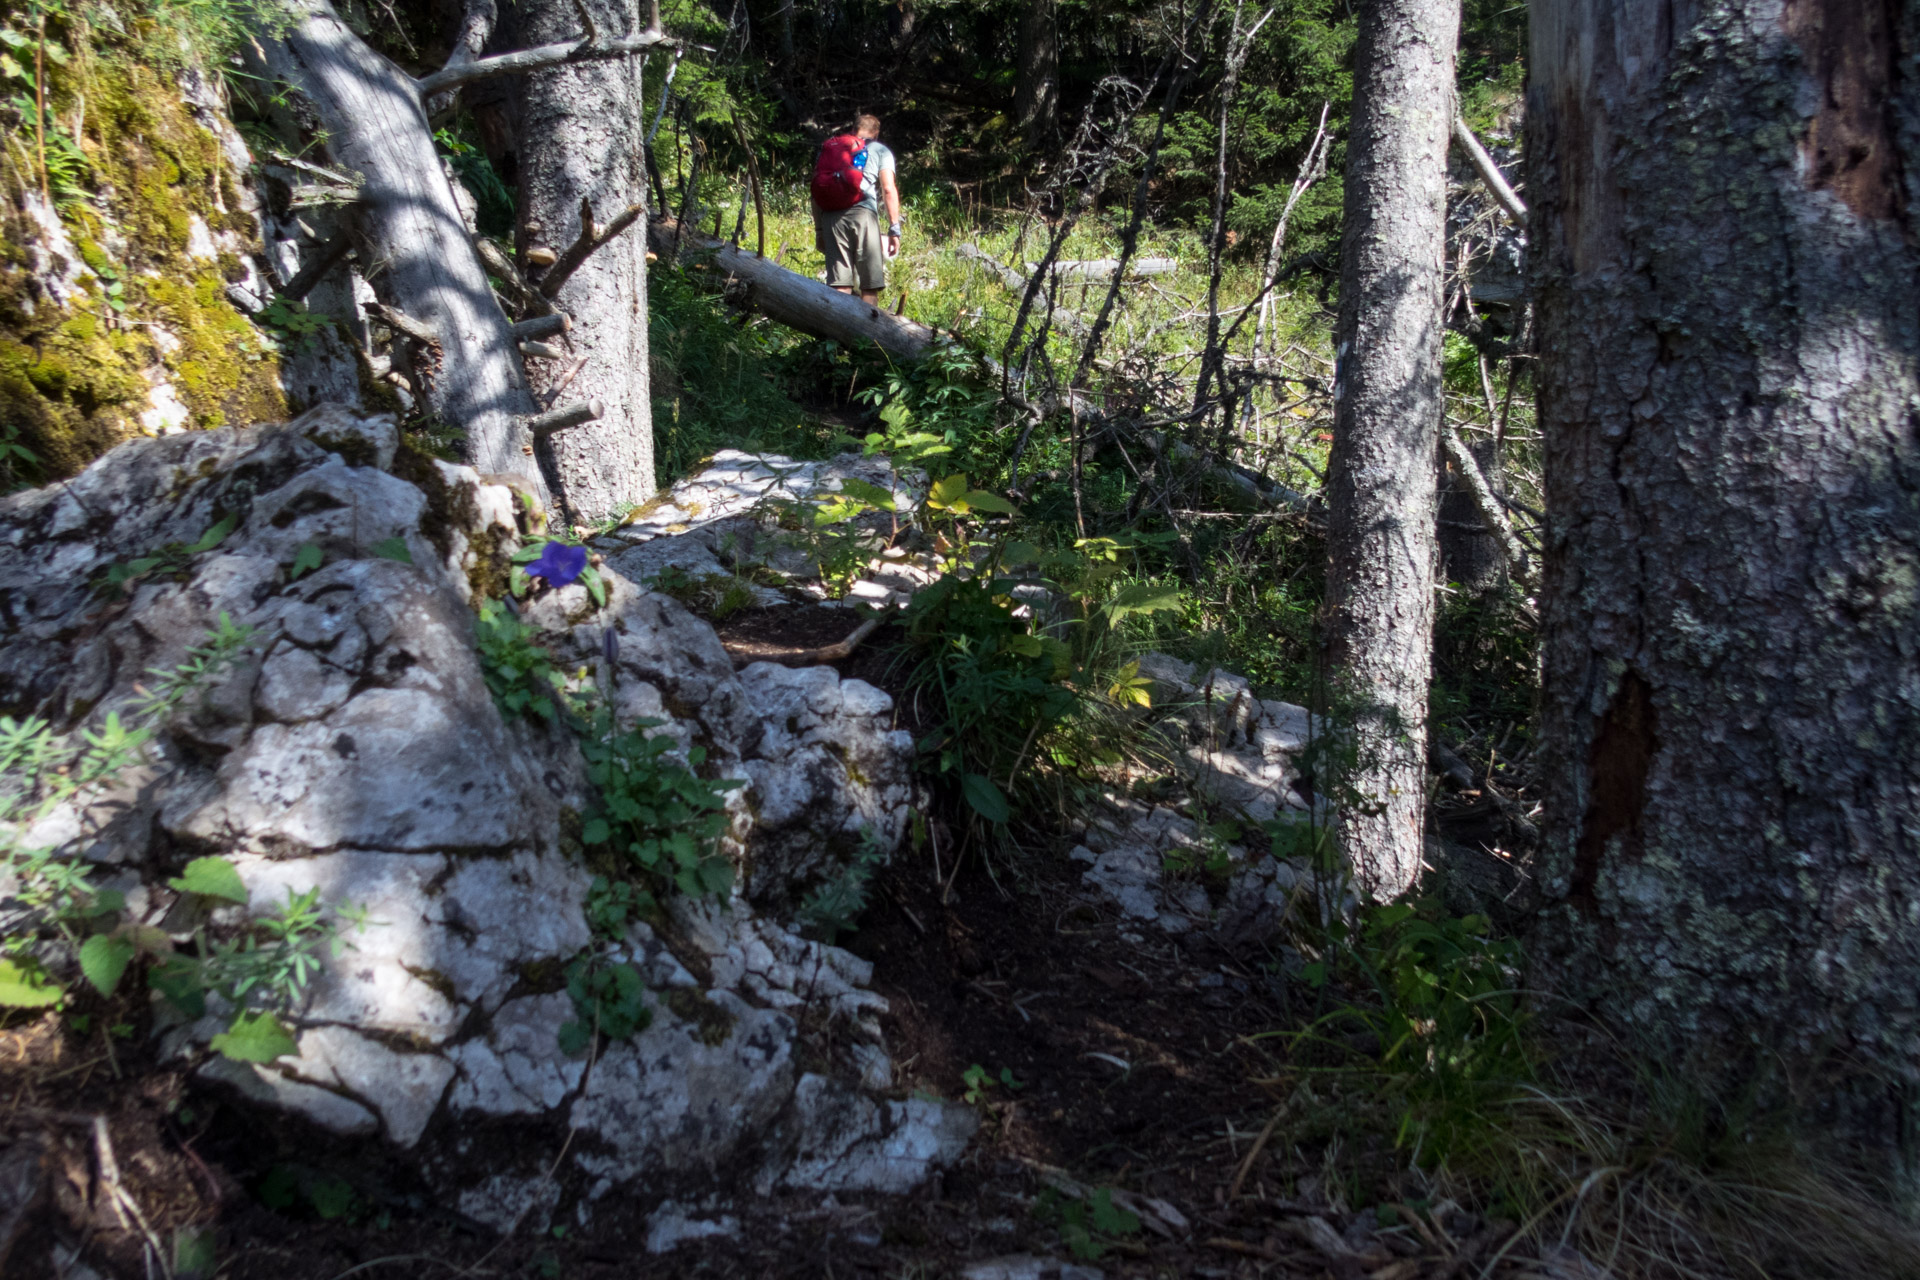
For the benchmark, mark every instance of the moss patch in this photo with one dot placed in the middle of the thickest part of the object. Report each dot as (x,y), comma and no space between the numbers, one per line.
(75,377)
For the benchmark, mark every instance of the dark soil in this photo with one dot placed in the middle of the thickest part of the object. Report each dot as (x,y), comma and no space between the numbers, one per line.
(774,635)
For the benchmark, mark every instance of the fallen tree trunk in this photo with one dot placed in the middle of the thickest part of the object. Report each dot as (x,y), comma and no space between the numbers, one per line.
(796,301)
(463,360)
(1103,268)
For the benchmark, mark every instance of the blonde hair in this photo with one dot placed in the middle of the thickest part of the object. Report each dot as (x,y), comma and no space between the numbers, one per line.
(864,122)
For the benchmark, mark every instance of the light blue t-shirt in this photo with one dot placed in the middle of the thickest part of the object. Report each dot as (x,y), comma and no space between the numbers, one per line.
(874,161)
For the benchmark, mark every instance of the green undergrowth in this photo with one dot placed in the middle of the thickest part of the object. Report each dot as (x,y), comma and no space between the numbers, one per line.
(73,945)
(652,828)
(1426,1073)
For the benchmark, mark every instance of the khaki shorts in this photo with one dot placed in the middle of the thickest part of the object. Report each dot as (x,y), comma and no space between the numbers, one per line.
(856,253)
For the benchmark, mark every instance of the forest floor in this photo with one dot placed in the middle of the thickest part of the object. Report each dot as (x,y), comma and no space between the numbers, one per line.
(1130,1088)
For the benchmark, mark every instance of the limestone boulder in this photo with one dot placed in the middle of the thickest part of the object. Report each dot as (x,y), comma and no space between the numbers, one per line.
(348,755)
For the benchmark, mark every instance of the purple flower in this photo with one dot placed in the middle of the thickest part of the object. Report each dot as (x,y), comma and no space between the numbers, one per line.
(559,564)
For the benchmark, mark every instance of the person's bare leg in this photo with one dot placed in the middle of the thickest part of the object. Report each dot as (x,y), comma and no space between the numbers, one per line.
(870,296)
(842,288)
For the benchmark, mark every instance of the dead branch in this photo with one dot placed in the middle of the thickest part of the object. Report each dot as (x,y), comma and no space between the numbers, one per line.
(401,322)
(541,351)
(753,652)
(1103,268)
(543,326)
(797,301)
(505,270)
(1017,283)
(1489,172)
(1485,503)
(573,415)
(539,58)
(590,241)
(476,28)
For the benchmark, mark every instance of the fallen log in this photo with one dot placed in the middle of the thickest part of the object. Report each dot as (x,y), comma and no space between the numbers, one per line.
(1103,268)
(797,301)
(1017,283)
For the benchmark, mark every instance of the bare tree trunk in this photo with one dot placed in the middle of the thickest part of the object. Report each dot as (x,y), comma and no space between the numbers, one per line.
(580,133)
(1036,93)
(1380,484)
(468,371)
(1731,356)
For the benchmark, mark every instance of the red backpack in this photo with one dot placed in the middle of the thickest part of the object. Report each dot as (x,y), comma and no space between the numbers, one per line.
(836,173)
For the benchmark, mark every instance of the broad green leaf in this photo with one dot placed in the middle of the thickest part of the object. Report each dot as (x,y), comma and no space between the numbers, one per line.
(716,875)
(981,500)
(896,414)
(1020,553)
(574,1038)
(392,549)
(985,797)
(211,878)
(332,1197)
(595,584)
(306,560)
(1143,597)
(871,494)
(104,959)
(596,831)
(27,986)
(214,536)
(255,1037)
(945,493)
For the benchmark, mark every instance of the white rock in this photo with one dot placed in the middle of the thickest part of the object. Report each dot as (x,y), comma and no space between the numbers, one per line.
(506,912)
(374,982)
(508,1201)
(671,1226)
(262,1084)
(669,1101)
(405,1088)
(297,685)
(848,1142)
(518,1068)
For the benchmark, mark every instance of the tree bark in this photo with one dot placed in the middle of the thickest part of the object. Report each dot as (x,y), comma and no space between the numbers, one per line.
(579,131)
(1036,91)
(469,373)
(1731,354)
(1380,480)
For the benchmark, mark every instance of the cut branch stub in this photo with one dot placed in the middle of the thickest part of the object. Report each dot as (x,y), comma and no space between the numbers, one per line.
(591,239)
(543,326)
(540,351)
(572,415)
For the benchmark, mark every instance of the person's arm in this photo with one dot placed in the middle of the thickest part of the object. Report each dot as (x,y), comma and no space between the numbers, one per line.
(890,196)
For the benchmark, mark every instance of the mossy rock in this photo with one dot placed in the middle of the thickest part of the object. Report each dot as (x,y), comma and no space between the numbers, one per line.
(75,378)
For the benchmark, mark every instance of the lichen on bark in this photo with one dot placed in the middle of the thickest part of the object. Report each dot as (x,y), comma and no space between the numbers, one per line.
(1731,723)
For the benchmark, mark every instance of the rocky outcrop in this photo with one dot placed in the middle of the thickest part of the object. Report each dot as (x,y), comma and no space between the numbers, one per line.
(1172,867)
(353,750)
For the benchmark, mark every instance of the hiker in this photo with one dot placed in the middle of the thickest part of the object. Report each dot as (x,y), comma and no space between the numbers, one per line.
(852,175)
